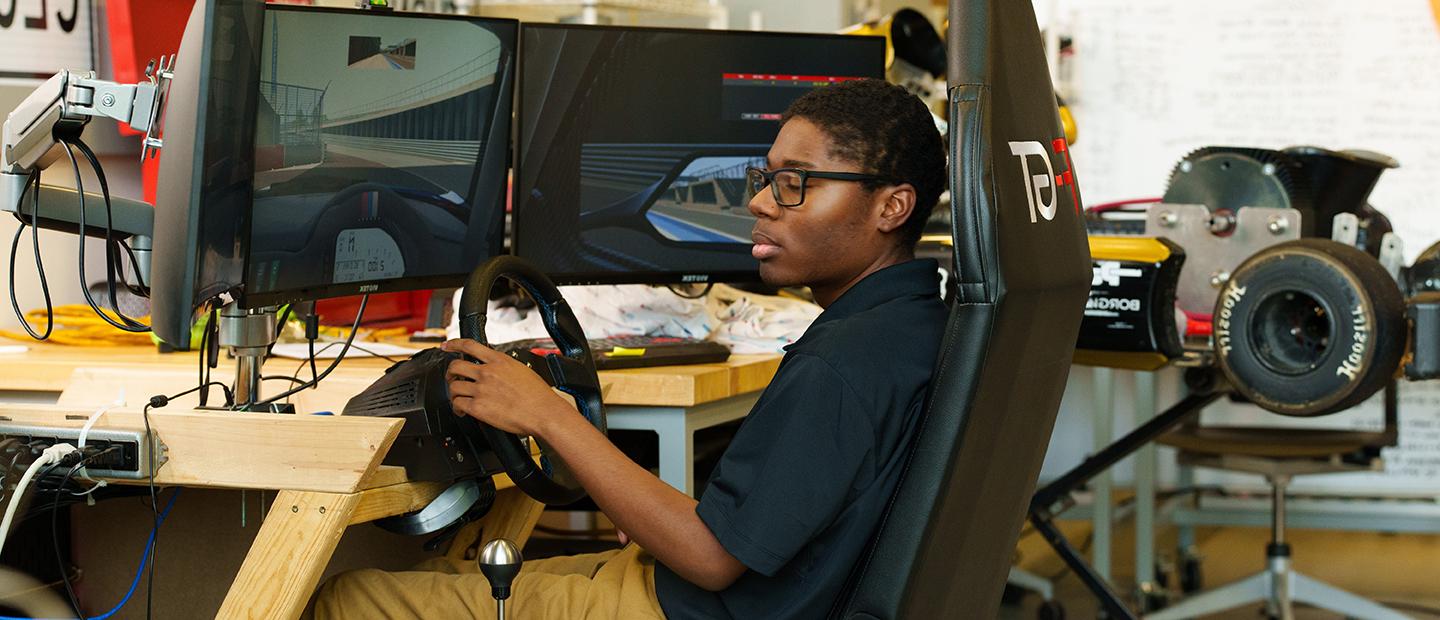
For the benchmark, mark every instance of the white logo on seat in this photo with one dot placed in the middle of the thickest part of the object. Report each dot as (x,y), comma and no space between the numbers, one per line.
(1036,183)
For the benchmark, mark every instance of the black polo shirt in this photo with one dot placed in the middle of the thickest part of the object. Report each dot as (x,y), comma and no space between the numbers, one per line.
(799,492)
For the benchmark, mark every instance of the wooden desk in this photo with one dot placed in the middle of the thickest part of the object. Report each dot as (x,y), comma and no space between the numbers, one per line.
(50,368)
(326,468)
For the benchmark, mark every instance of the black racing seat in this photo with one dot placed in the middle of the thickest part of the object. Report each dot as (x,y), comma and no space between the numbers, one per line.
(1023,272)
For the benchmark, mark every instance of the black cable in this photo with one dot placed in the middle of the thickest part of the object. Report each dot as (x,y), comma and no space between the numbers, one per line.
(315,378)
(154,503)
(200,359)
(312,333)
(282,378)
(279,328)
(208,353)
(39,264)
(112,256)
(55,531)
(360,314)
(295,376)
(372,353)
(142,289)
(90,299)
(700,295)
(156,401)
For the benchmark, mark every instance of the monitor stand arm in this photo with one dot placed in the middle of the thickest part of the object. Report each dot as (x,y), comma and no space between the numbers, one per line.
(248,333)
(132,220)
(32,138)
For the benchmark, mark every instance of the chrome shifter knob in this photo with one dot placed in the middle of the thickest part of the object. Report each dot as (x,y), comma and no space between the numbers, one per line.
(500,562)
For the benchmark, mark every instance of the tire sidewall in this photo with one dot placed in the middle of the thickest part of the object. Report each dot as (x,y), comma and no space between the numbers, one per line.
(1350,353)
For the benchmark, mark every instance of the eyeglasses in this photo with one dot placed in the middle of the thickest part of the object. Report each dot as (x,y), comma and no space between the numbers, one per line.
(788,184)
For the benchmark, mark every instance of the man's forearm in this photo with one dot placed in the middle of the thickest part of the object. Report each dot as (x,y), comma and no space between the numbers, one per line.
(657,516)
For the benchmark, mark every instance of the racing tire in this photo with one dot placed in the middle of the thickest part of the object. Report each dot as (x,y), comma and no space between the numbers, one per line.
(1309,327)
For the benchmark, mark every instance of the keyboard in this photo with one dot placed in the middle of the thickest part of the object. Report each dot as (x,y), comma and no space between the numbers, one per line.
(616,352)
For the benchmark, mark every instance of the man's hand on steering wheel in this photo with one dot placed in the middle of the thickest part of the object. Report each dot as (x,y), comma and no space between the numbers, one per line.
(501,391)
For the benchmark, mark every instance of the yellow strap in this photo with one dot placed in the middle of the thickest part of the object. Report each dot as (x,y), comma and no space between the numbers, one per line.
(624,352)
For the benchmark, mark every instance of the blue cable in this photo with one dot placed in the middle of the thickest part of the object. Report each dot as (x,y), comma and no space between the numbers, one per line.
(144,558)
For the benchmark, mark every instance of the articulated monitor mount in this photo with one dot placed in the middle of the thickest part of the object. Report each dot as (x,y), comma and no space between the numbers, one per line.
(36,131)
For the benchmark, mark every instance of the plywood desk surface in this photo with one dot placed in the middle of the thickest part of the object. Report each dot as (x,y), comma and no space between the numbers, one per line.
(48,367)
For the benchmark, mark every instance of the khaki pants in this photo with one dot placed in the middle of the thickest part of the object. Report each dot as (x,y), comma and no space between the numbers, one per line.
(614,584)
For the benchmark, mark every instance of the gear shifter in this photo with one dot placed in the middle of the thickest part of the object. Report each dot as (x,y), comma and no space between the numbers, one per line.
(500,562)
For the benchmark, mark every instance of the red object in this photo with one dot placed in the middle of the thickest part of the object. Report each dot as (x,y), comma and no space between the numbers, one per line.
(1196,327)
(142,30)
(163,23)
(788,78)
(406,309)
(1111,206)
(542,352)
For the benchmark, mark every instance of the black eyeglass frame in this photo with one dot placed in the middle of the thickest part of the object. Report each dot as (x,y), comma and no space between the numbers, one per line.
(769,177)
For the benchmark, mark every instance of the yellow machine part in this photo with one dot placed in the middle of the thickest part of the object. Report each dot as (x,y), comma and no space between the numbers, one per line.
(1135,249)
(1139,249)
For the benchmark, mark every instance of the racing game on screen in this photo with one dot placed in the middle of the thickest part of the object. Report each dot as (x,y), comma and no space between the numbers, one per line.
(633,143)
(371,139)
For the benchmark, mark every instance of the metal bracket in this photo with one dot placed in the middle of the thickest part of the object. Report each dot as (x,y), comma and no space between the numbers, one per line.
(1346,229)
(1392,255)
(1216,243)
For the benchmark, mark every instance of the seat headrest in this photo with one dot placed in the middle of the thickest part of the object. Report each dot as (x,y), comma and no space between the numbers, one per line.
(1007,150)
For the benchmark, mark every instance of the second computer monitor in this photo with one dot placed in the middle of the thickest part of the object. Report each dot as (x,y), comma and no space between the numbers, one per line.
(633,144)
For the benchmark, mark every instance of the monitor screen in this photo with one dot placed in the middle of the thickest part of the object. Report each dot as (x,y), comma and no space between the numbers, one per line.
(633,144)
(380,152)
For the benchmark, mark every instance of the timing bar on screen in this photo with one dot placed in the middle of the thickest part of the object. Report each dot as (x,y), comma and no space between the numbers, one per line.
(774,79)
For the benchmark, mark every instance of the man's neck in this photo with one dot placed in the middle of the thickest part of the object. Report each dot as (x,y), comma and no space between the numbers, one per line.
(826,294)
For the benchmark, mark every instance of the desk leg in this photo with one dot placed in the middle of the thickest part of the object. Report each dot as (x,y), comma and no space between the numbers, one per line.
(1100,485)
(677,450)
(1146,406)
(289,554)
(513,516)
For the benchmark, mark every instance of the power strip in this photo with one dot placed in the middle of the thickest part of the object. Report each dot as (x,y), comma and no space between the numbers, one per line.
(130,461)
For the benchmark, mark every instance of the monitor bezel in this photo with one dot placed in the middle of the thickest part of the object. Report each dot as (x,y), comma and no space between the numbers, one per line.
(401,284)
(517,130)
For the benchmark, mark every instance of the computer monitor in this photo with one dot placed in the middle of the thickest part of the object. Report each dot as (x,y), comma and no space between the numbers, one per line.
(380,149)
(204,187)
(633,143)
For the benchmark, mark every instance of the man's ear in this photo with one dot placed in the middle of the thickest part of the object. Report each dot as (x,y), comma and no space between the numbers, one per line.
(896,204)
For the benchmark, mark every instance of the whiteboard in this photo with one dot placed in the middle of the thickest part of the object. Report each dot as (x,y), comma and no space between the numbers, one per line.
(1154,80)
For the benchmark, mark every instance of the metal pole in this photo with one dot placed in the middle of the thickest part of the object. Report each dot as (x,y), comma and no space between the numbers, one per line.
(1146,405)
(1101,517)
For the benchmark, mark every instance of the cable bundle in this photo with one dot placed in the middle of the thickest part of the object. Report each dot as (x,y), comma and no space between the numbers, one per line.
(77,325)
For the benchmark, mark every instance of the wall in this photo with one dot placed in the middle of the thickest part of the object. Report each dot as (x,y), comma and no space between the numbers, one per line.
(789,16)
(1153,81)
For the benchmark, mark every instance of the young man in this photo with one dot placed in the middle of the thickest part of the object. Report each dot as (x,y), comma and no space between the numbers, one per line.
(852,177)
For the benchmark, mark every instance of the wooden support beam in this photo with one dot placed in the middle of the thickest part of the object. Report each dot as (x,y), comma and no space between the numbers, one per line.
(289,555)
(243,450)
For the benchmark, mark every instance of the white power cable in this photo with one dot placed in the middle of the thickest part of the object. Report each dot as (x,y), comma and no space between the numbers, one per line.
(53,454)
(90,423)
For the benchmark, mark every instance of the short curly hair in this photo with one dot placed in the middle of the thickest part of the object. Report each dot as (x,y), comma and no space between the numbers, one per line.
(888,132)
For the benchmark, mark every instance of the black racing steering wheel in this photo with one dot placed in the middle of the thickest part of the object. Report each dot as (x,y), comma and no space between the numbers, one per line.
(572,371)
